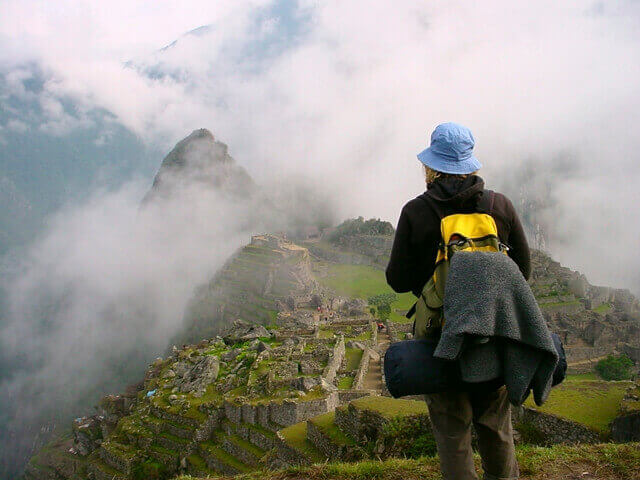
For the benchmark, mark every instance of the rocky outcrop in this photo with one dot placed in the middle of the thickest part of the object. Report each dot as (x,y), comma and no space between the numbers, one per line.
(242,331)
(196,377)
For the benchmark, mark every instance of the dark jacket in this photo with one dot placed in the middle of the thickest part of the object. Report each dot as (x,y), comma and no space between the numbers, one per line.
(415,246)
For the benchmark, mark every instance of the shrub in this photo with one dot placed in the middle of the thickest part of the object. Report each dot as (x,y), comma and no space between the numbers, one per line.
(383,301)
(615,367)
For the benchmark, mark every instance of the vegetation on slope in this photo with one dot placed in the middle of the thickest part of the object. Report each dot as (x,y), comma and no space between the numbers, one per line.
(615,367)
(593,403)
(588,462)
(360,226)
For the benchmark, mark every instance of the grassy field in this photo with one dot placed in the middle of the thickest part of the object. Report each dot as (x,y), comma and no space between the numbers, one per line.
(585,400)
(561,462)
(363,281)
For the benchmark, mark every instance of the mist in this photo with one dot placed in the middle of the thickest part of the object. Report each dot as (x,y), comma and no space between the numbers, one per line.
(100,294)
(339,97)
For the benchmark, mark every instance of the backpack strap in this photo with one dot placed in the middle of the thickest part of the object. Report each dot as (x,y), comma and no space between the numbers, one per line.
(486,202)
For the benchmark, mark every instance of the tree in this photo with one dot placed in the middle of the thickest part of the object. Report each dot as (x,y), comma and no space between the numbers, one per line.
(383,303)
(384,311)
(615,367)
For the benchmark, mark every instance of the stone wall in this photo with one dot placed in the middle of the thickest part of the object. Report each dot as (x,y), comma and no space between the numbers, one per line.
(328,446)
(578,354)
(293,411)
(567,308)
(549,429)
(256,437)
(358,378)
(233,412)
(391,331)
(329,372)
(203,432)
(345,396)
(633,352)
(286,455)
(362,425)
(121,463)
(626,428)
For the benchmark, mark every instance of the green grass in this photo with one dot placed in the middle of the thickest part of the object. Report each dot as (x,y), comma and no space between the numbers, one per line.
(296,436)
(593,403)
(364,336)
(248,446)
(390,407)
(198,462)
(215,451)
(175,438)
(126,452)
(326,424)
(133,425)
(325,333)
(605,461)
(260,429)
(345,383)
(353,356)
(363,281)
(164,450)
(603,308)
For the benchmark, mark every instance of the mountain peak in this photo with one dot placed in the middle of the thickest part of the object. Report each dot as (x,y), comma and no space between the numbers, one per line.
(200,133)
(199,159)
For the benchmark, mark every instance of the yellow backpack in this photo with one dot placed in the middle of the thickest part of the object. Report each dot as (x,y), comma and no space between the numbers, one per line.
(471,232)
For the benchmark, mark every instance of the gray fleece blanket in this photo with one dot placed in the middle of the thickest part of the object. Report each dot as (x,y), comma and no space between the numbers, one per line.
(494,327)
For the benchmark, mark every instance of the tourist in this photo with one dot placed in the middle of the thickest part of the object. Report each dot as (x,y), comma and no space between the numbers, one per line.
(453,187)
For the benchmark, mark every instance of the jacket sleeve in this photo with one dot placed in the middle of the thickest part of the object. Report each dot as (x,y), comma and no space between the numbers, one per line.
(401,272)
(517,241)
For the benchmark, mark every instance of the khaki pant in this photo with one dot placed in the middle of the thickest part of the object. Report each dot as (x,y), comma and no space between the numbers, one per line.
(451,416)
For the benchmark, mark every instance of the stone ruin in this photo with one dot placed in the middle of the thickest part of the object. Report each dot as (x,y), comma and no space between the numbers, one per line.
(216,407)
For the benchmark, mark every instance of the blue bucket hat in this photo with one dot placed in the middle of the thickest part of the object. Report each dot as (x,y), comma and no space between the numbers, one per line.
(451,150)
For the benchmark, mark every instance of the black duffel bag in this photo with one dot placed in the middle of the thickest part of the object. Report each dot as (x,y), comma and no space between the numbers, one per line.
(561,367)
(411,369)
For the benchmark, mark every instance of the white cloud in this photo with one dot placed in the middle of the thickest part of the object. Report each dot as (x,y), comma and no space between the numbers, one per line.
(17,126)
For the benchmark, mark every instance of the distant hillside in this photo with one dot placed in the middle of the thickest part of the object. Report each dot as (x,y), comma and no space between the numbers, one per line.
(355,241)
(267,276)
